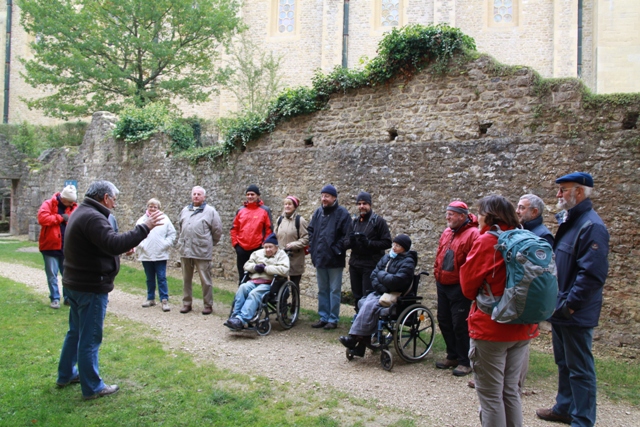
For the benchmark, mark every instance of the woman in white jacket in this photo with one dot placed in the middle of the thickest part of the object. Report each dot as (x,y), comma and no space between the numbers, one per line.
(154,253)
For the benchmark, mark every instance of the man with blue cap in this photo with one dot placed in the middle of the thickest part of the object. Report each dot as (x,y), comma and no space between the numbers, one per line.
(581,247)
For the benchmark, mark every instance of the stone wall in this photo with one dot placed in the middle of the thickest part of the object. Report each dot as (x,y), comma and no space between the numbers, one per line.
(415,146)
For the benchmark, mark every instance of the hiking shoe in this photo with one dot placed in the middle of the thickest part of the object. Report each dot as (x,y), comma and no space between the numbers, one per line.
(207,310)
(66,302)
(549,415)
(185,309)
(74,380)
(106,391)
(348,341)
(330,325)
(149,303)
(55,304)
(234,323)
(319,324)
(446,364)
(462,371)
(165,305)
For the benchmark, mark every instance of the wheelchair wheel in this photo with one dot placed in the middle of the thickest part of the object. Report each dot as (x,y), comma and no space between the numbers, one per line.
(263,325)
(288,304)
(386,359)
(414,333)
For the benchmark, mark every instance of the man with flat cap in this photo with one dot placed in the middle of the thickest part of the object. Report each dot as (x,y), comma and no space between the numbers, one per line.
(368,239)
(251,226)
(581,247)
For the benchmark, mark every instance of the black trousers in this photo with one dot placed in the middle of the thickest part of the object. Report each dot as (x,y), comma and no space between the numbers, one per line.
(360,278)
(242,258)
(453,310)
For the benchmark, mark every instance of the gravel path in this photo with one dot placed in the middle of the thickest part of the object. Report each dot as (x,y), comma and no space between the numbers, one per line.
(314,359)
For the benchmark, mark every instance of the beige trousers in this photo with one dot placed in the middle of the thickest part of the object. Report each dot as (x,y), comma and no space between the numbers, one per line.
(204,270)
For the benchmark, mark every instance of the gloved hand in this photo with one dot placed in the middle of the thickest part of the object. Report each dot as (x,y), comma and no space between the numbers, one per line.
(352,238)
(259,268)
(65,217)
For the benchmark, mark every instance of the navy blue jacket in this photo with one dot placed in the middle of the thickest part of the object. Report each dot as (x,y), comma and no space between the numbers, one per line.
(327,230)
(394,274)
(581,248)
(539,229)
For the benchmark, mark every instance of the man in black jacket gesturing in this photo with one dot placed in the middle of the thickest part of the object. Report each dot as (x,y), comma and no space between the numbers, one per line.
(91,263)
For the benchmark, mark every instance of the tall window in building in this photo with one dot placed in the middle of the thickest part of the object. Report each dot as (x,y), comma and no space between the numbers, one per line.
(390,13)
(286,16)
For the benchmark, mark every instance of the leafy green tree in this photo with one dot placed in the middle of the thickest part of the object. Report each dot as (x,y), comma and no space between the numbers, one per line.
(99,54)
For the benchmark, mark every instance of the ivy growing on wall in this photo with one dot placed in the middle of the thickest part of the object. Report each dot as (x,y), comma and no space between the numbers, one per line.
(401,54)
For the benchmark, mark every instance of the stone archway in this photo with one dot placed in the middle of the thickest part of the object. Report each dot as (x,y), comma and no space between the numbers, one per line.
(12,170)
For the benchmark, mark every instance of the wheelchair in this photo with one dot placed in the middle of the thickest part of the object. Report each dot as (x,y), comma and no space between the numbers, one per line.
(283,300)
(407,324)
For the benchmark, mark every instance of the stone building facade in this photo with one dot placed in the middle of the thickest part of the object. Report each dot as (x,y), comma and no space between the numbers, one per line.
(416,146)
(596,40)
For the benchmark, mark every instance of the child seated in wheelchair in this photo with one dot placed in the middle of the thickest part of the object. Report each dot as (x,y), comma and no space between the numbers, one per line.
(393,273)
(262,266)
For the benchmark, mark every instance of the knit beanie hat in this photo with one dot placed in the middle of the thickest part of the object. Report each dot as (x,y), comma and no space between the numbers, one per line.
(363,196)
(403,240)
(294,200)
(459,207)
(69,193)
(253,188)
(272,239)
(329,189)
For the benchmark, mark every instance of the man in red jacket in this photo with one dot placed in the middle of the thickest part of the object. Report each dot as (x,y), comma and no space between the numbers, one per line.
(453,307)
(251,226)
(53,216)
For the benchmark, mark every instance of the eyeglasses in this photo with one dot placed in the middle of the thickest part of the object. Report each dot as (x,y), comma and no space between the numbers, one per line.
(563,190)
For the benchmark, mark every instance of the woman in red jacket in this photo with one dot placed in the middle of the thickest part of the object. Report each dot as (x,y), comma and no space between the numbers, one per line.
(498,350)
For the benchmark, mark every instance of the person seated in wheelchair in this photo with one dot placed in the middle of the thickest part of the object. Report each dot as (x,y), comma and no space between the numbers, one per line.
(262,266)
(393,273)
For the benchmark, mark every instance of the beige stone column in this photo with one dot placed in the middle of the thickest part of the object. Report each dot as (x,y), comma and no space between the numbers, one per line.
(332,17)
(565,38)
(444,11)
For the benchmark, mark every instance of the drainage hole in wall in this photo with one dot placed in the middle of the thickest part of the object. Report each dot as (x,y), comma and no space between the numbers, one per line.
(308,142)
(484,127)
(393,134)
(630,121)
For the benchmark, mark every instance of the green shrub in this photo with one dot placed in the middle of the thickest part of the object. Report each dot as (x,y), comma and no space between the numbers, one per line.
(138,124)
(32,140)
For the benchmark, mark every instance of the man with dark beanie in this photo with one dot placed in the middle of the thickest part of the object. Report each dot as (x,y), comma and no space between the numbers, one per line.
(453,308)
(368,240)
(251,226)
(328,228)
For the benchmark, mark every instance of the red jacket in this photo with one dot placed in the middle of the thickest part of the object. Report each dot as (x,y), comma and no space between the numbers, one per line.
(460,243)
(48,217)
(250,226)
(484,263)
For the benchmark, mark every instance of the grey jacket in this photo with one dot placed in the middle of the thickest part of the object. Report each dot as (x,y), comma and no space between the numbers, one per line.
(200,231)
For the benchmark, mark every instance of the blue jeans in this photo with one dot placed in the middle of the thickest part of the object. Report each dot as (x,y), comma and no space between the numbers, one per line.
(248,298)
(153,269)
(81,345)
(576,374)
(329,287)
(53,264)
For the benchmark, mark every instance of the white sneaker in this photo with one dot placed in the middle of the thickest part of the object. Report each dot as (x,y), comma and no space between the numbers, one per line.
(165,305)
(55,304)
(149,303)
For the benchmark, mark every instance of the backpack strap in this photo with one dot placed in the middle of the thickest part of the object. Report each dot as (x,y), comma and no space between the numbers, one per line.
(297,225)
